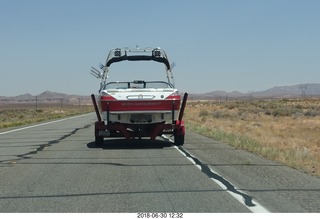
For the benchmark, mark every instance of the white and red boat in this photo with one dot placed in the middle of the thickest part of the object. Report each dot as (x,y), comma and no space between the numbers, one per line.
(136,109)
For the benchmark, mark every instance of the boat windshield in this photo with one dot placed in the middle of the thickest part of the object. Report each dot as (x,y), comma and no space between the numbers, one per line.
(137,84)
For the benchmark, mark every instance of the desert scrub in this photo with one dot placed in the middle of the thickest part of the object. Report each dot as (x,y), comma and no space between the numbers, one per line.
(284,130)
(19,116)
(203,113)
(312,113)
(286,111)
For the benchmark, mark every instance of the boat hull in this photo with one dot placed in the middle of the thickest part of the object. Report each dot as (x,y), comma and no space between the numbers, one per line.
(139,111)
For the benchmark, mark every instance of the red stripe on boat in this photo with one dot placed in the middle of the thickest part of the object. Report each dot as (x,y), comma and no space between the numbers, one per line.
(139,105)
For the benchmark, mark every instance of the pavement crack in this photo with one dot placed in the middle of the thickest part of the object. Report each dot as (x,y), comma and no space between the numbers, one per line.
(248,200)
(43,146)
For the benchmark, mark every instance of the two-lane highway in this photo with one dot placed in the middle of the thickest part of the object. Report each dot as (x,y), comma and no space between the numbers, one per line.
(55,167)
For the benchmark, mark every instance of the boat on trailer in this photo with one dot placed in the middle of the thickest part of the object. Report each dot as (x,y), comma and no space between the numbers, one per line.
(136,109)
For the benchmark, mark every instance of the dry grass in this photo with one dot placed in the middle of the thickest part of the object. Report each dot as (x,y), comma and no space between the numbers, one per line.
(286,131)
(21,114)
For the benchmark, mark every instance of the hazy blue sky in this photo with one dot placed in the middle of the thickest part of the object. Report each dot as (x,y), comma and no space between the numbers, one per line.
(244,45)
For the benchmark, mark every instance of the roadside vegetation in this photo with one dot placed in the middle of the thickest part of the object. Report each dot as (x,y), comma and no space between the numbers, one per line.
(286,131)
(21,114)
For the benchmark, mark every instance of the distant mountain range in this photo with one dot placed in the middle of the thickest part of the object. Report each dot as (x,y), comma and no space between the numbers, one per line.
(294,91)
(46,97)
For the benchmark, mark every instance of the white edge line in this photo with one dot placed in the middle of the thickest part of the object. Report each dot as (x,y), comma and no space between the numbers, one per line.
(41,124)
(258,208)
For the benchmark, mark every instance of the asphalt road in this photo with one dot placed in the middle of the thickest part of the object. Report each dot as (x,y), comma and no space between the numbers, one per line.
(55,167)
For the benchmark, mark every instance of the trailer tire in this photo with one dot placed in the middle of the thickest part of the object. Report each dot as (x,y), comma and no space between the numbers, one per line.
(178,140)
(99,141)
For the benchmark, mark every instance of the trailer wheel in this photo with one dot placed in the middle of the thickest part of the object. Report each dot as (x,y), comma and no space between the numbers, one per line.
(178,140)
(99,140)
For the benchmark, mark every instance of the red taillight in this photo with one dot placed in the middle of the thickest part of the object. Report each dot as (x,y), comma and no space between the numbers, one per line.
(174,96)
(107,97)
(105,100)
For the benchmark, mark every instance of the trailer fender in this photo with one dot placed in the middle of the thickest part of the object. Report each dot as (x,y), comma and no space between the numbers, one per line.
(180,128)
(98,126)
